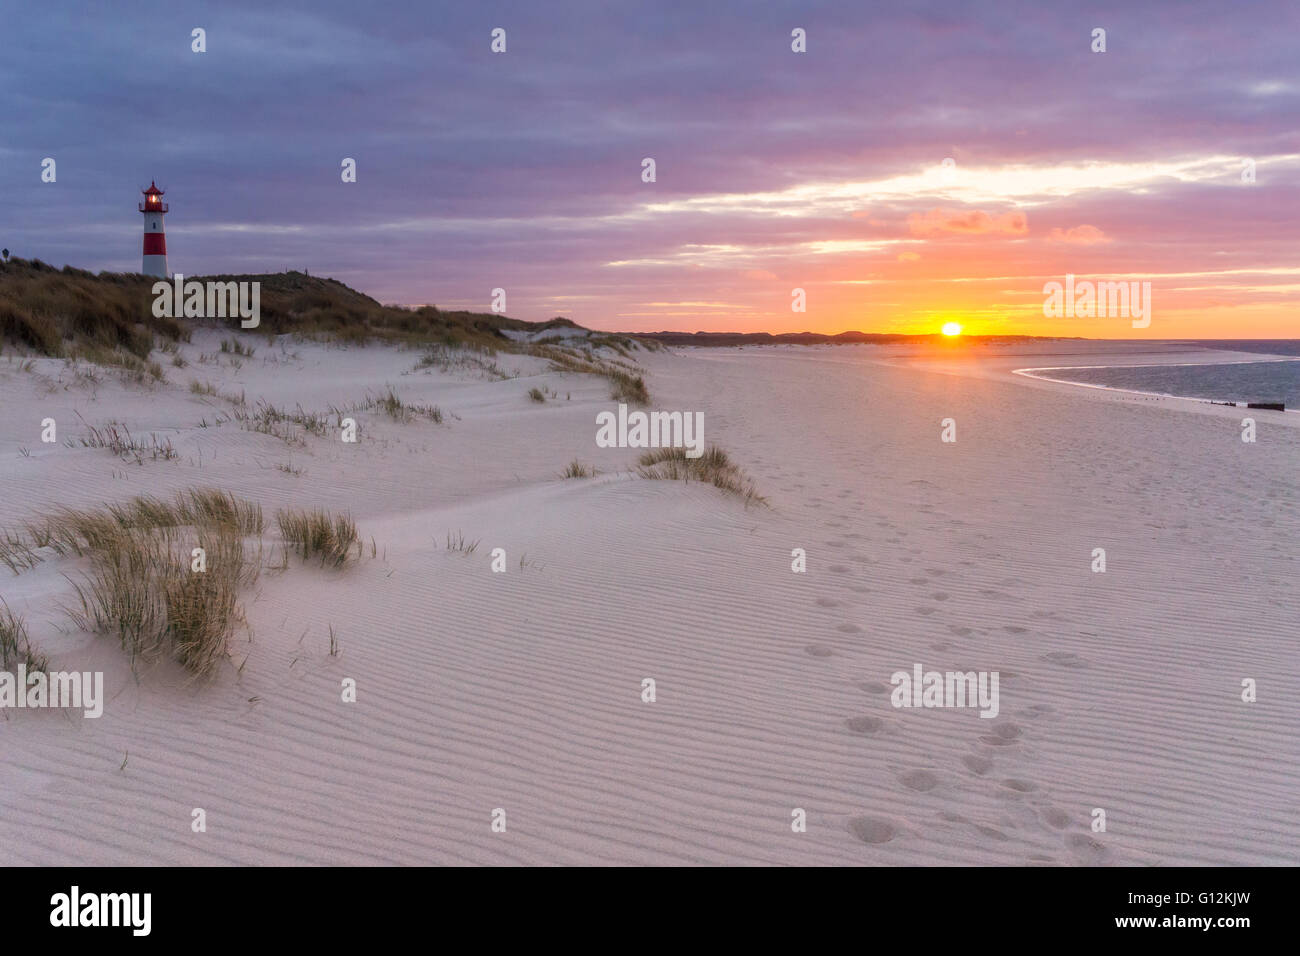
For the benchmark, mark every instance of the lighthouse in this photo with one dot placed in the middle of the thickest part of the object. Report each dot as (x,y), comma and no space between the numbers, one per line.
(155,240)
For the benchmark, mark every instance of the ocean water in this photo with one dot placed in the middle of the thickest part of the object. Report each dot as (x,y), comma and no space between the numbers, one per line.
(1245,382)
(1261,346)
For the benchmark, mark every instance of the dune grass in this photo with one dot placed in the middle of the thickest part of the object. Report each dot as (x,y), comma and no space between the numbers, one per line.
(117,438)
(235,347)
(626,385)
(714,466)
(142,587)
(17,554)
(15,646)
(317,533)
(457,542)
(146,586)
(392,406)
(577,469)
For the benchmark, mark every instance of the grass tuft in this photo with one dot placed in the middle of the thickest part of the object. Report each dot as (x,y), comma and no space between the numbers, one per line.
(458,543)
(143,587)
(15,646)
(316,533)
(713,466)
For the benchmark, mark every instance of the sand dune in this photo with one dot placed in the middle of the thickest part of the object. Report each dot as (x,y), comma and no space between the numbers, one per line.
(522,690)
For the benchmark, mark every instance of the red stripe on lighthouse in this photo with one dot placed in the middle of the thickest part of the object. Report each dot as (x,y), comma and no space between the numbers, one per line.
(155,244)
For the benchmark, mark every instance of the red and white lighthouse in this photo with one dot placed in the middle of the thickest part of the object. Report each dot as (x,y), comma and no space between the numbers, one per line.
(155,240)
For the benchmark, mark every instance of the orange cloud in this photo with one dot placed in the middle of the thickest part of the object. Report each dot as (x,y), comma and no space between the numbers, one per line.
(759,275)
(1079,235)
(908,257)
(976,222)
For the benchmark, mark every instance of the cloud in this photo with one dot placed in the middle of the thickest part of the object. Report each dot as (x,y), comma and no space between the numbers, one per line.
(1084,235)
(975,222)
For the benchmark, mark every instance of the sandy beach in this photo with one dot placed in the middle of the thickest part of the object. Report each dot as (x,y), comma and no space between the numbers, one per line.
(481,691)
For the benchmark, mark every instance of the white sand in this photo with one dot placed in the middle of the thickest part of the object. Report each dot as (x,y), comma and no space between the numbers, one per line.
(522,690)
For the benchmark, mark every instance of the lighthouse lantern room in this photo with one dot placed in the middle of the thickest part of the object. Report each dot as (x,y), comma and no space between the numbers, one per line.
(155,240)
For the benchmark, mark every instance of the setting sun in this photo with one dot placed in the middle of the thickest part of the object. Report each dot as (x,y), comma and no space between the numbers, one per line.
(951,328)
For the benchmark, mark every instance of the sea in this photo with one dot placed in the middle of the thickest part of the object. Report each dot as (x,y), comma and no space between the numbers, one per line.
(1249,380)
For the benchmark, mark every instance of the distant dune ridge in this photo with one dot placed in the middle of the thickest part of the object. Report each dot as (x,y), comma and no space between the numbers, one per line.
(108,319)
(42,306)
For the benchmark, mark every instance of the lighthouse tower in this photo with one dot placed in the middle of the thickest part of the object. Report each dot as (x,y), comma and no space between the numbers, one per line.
(155,240)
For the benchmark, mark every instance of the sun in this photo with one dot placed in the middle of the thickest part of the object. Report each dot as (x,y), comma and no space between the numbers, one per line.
(951,328)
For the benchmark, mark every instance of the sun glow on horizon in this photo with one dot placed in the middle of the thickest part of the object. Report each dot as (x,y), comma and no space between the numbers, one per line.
(951,328)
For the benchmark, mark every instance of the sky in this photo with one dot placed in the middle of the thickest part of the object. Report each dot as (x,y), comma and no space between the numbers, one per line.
(921,163)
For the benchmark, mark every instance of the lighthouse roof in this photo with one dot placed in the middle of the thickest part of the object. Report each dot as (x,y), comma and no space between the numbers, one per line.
(153,190)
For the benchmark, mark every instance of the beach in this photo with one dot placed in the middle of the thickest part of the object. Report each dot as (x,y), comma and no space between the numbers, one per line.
(523,691)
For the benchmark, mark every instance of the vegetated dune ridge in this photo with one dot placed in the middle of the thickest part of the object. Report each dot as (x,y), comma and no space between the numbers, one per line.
(522,690)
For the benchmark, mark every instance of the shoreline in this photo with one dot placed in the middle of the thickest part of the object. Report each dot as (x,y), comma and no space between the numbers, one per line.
(1029,373)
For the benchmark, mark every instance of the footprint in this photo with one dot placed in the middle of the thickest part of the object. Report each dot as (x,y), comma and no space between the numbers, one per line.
(818,650)
(1003,734)
(848,628)
(1014,629)
(1020,786)
(959,631)
(1066,659)
(1056,817)
(992,832)
(922,781)
(939,596)
(925,610)
(873,829)
(875,687)
(865,725)
(993,740)
(827,602)
(977,765)
(839,568)
(1085,847)
(918,580)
